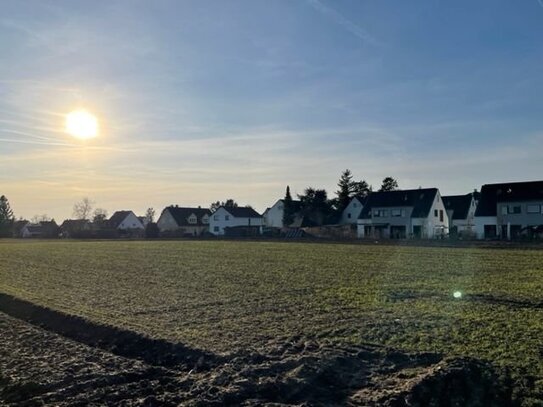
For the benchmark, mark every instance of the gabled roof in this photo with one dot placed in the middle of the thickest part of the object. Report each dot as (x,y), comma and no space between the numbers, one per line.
(242,212)
(49,226)
(359,198)
(181,215)
(458,204)
(419,199)
(75,224)
(117,218)
(296,204)
(492,194)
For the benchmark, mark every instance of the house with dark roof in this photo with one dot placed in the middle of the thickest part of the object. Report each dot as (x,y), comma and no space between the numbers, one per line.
(125,222)
(461,213)
(17,227)
(183,221)
(509,210)
(75,227)
(273,216)
(44,229)
(352,211)
(226,220)
(414,213)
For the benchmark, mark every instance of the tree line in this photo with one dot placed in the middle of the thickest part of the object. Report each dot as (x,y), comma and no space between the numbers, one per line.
(315,205)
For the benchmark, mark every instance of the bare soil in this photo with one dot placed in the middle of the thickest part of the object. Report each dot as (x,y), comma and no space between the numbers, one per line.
(49,358)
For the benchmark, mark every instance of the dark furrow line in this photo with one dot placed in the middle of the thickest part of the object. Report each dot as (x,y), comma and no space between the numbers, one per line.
(121,342)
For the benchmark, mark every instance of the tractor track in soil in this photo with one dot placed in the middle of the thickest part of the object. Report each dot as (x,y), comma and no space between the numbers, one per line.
(51,358)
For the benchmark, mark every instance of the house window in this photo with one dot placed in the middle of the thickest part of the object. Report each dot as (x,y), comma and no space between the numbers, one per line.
(349,215)
(380,213)
(513,209)
(192,219)
(397,212)
(354,204)
(215,217)
(504,210)
(226,217)
(205,220)
(435,213)
(216,229)
(441,215)
(533,209)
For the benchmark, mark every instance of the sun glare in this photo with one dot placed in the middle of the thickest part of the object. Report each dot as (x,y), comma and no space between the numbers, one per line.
(81,124)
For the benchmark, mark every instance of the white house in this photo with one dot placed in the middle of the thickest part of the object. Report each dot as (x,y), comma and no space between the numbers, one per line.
(415,213)
(510,210)
(352,211)
(176,220)
(125,221)
(461,213)
(273,216)
(225,220)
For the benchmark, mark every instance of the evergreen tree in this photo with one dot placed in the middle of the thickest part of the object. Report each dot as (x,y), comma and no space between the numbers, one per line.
(316,206)
(348,189)
(6,217)
(288,208)
(346,186)
(389,184)
(361,188)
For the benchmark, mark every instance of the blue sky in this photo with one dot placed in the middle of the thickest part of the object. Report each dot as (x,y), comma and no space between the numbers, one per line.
(200,101)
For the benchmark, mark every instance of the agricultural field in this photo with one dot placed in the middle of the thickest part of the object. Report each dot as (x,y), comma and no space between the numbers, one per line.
(259,322)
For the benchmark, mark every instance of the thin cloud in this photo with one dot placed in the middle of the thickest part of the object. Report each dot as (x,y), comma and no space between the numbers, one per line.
(347,24)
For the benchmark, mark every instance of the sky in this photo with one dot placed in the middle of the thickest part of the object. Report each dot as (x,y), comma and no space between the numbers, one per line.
(199,101)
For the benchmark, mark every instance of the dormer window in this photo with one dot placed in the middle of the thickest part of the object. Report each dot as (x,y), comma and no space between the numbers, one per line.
(205,219)
(192,219)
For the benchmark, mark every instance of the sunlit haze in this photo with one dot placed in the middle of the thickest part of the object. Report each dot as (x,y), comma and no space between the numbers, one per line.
(202,101)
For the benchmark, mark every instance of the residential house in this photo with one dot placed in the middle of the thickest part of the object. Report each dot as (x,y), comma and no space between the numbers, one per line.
(17,227)
(509,210)
(126,223)
(352,211)
(416,213)
(461,213)
(229,221)
(44,229)
(75,228)
(273,217)
(180,221)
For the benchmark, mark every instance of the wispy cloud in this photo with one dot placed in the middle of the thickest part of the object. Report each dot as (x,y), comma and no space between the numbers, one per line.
(343,21)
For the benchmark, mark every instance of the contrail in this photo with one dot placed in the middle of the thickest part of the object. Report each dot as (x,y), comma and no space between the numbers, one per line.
(338,18)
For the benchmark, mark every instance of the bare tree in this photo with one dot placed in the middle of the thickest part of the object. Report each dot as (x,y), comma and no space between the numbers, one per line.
(83,209)
(99,216)
(149,215)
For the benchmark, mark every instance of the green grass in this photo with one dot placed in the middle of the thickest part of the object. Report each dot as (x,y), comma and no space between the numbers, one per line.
(226,296)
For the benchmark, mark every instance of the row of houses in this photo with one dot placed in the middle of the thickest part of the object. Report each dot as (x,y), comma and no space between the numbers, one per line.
(499,211)
(505,210)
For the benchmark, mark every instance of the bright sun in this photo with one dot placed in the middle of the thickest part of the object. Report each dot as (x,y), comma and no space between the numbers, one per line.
(81,124)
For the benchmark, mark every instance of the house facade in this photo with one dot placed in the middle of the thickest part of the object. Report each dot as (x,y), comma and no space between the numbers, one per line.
(226,220)
(184,221)
(461,213)
(510,210)
(351,213)
(44,229)
(273,216)
(416,213)
(125,221)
